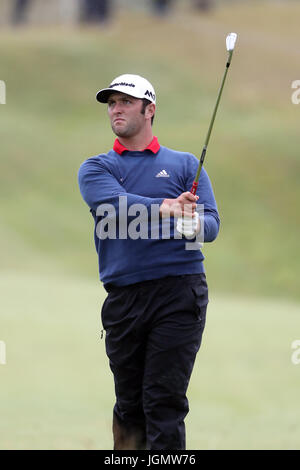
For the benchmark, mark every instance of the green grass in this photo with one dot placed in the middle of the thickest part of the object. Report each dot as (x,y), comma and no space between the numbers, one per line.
(56,389)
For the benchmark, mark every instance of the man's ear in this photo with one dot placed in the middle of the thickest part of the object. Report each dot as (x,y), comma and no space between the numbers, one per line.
(150,110)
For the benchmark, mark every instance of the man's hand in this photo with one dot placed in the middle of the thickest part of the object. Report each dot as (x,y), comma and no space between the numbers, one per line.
(184,205)
(184,209)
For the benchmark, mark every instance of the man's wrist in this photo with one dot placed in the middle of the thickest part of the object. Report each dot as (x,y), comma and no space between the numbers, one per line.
(165,209)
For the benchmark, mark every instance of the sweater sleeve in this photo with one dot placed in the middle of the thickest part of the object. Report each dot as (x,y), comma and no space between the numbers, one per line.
(206,197)
(99,186)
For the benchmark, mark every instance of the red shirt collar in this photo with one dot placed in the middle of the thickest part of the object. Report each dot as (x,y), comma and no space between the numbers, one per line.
(154,146)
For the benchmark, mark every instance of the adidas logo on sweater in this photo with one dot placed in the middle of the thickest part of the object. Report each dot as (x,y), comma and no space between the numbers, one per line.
(162,174)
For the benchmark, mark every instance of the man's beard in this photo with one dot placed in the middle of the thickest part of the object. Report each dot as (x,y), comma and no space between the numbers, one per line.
(126,131)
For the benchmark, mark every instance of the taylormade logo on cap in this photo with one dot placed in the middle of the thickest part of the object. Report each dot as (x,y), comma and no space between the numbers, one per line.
(133,85)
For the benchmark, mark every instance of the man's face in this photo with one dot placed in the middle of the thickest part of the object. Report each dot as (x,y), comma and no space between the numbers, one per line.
(125,115)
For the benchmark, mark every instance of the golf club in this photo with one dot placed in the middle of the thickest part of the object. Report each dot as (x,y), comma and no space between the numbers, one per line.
(230,43)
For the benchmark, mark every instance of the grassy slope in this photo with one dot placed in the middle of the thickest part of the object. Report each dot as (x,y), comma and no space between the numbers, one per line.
(51,123)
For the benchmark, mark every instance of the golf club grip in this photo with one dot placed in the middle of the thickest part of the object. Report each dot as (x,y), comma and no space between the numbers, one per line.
(195,183)
(194,188)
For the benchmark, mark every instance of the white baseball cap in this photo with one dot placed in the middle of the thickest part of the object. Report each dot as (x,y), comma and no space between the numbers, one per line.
(132,85)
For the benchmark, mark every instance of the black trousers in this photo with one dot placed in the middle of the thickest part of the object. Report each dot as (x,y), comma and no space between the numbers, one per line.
(153,333)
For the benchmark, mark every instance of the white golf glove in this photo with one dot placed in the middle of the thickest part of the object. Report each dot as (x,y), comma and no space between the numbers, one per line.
(188,226)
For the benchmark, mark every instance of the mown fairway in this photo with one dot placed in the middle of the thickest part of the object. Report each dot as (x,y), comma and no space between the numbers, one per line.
(56,390)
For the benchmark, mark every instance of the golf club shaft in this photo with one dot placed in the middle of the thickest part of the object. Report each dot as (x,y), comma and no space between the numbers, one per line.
(195,183)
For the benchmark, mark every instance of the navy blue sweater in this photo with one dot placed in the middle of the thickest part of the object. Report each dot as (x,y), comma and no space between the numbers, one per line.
(145,178)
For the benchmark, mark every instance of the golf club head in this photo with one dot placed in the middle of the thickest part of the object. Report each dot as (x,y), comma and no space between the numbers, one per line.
(230,41)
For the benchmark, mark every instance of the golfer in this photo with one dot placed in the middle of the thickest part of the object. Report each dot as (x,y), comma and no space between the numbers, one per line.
(154,314)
